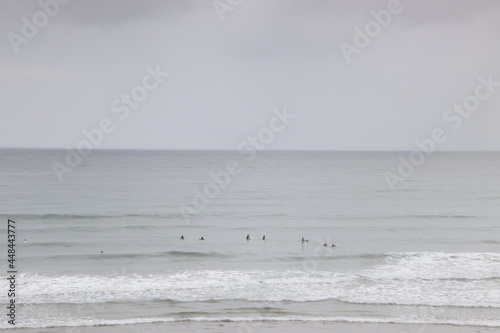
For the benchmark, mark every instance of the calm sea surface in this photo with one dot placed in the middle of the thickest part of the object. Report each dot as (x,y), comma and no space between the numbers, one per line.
(426,252)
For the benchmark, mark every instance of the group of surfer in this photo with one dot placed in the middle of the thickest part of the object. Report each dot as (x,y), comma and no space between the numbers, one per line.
(248,237)
(264,238)
(307,240)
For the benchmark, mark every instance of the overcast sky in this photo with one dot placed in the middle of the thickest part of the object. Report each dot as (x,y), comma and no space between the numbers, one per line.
(226,76)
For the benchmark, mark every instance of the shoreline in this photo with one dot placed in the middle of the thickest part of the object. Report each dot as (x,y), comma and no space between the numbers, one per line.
(266,327)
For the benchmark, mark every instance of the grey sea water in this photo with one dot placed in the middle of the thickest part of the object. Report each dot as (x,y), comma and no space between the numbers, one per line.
(426,252)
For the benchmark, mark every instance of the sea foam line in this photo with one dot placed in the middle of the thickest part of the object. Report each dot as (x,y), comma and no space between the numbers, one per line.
(119,322)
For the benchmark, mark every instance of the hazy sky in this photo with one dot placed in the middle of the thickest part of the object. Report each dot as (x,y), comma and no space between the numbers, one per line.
(226,76)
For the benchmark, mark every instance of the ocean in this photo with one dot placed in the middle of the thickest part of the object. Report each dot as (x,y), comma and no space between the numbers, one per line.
(102,246)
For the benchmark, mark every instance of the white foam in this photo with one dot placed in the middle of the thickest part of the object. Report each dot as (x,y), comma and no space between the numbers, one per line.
(435,279)
(184,286)
(71,322)
(437,265)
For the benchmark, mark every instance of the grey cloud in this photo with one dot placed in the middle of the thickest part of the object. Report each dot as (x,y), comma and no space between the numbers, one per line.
(227,76)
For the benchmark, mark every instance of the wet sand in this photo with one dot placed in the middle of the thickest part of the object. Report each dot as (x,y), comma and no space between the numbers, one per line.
(267,327)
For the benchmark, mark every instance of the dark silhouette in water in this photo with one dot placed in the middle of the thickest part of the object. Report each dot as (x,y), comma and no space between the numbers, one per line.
(248,236)
(325,244)
(182,236)
(264,237)
(202,238)
(304,240)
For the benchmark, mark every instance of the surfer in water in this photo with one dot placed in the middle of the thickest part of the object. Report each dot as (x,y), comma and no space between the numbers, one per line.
(202,238)
(248,237)
(325,244)
(333,245)
(264,237)
(304,240)
(182,236)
